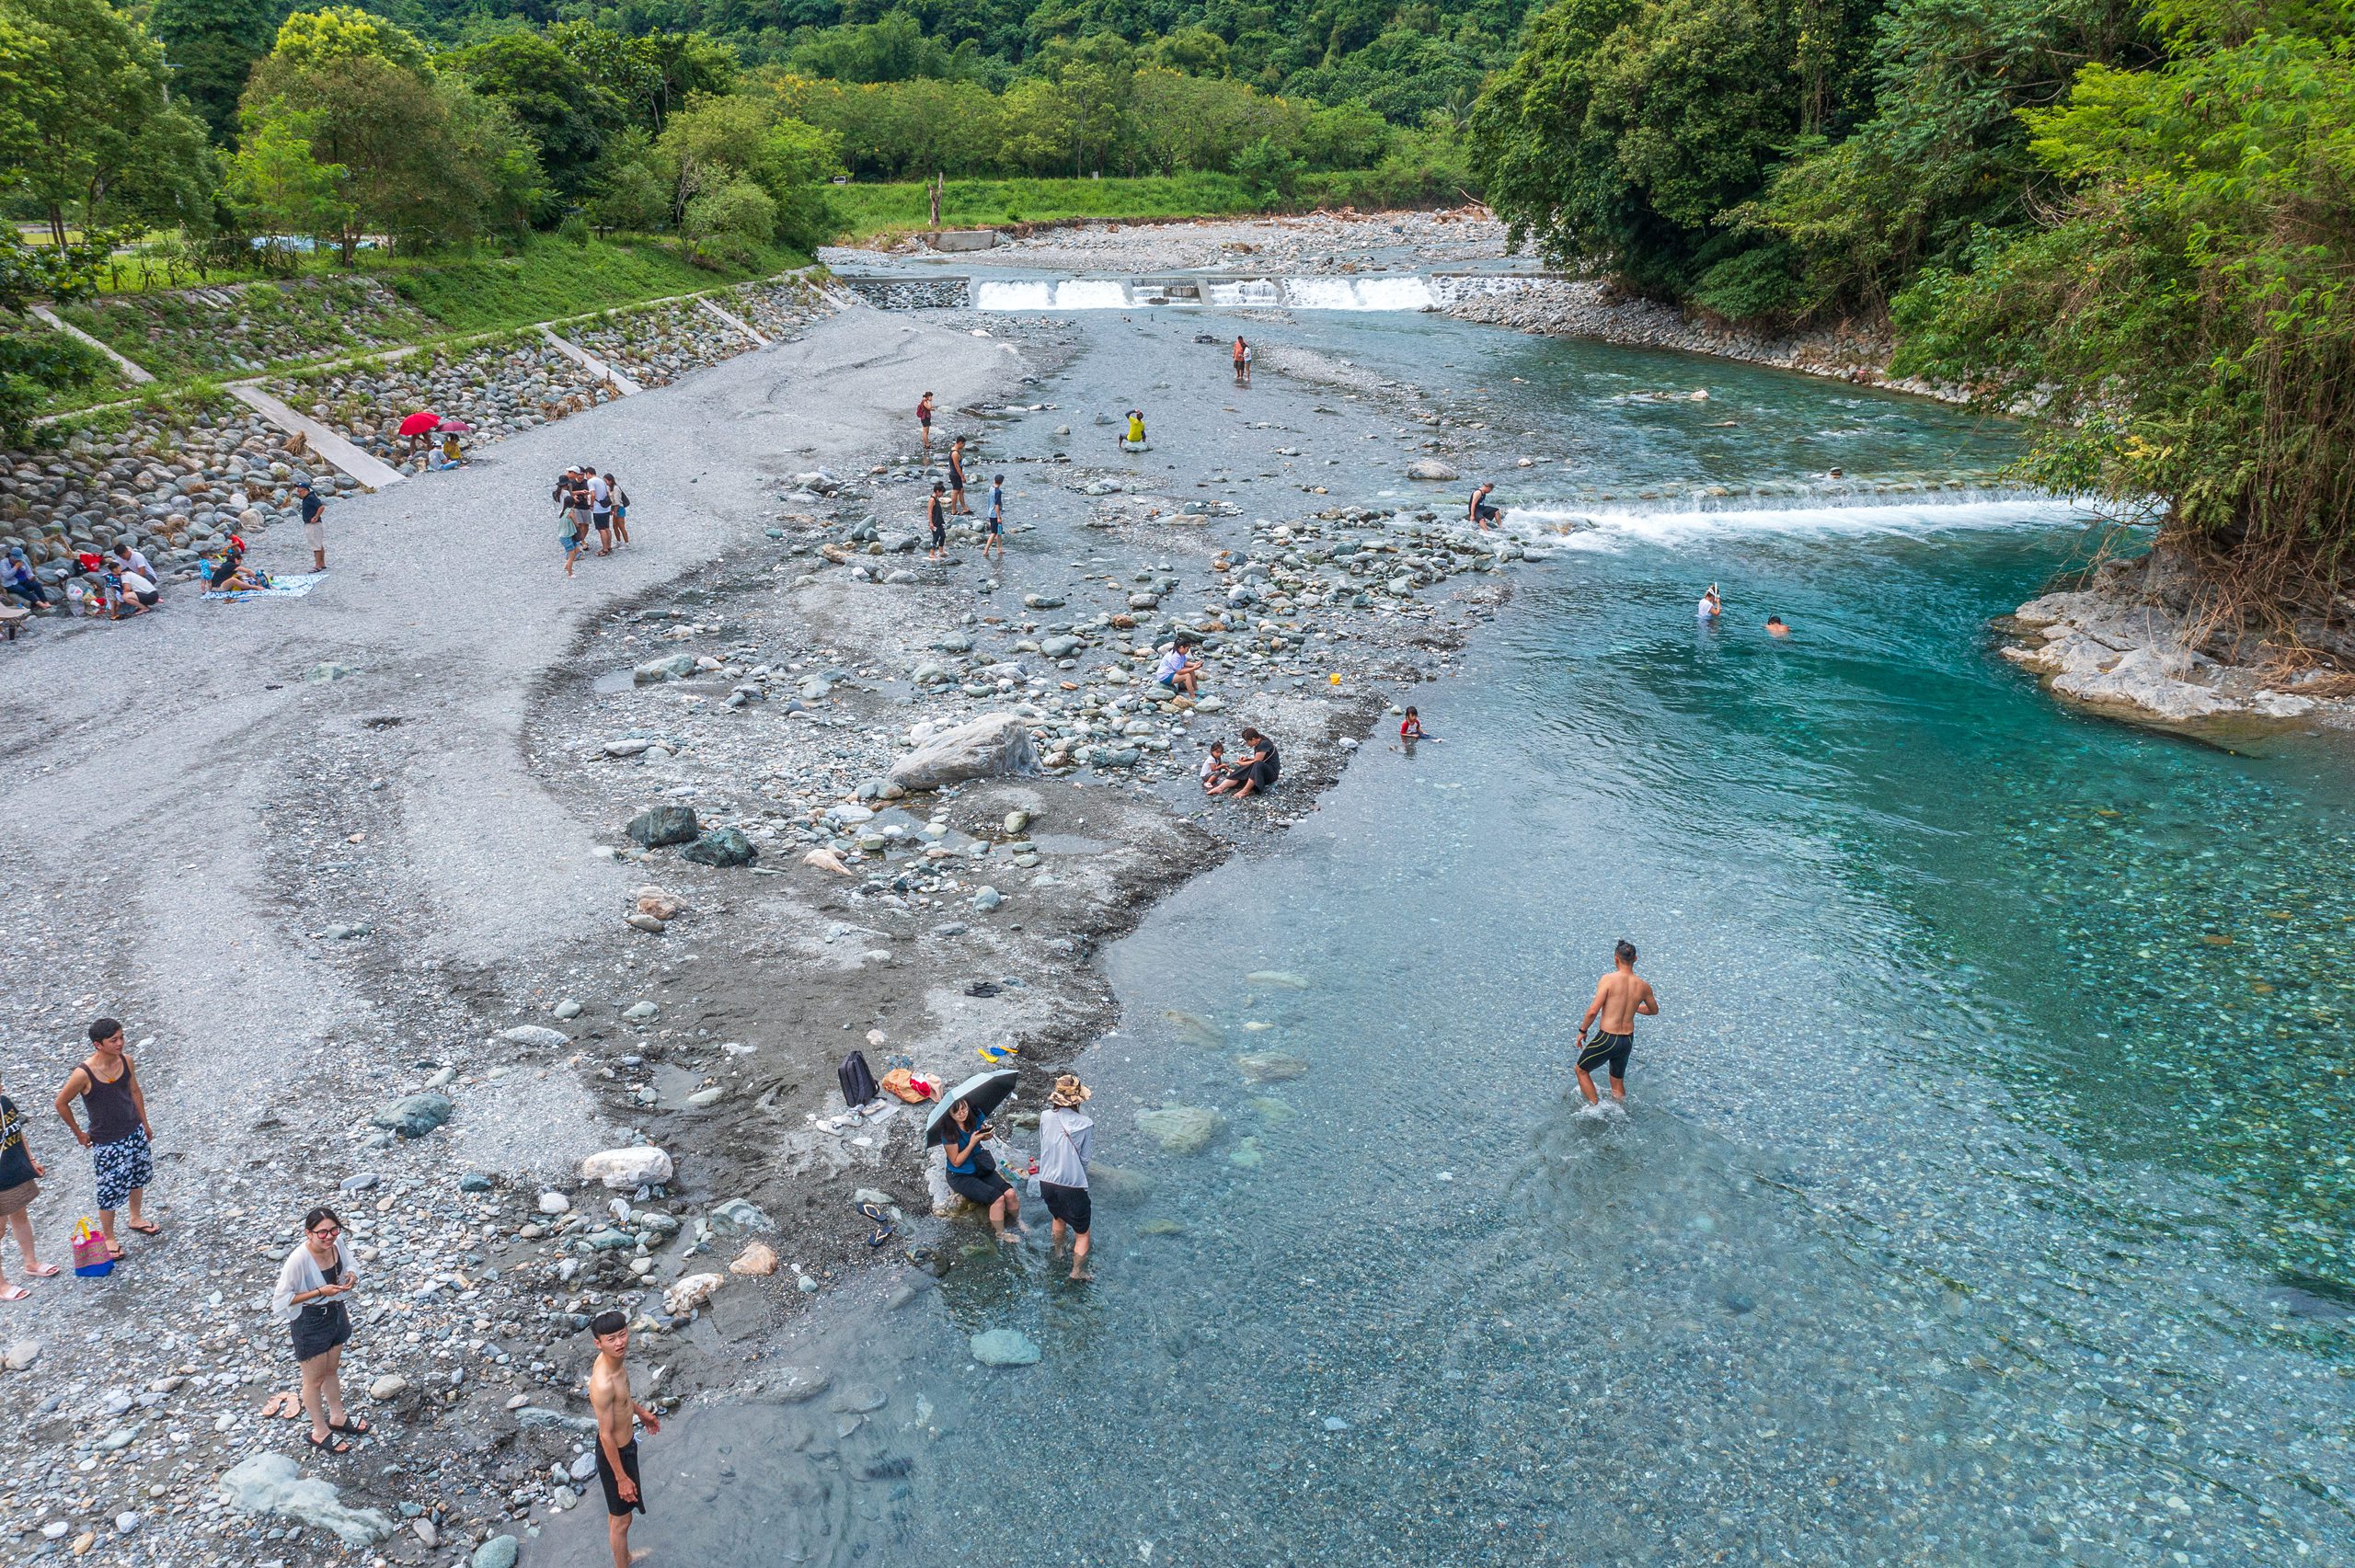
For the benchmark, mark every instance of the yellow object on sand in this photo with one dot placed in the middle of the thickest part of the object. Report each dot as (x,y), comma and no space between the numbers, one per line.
(1335,677)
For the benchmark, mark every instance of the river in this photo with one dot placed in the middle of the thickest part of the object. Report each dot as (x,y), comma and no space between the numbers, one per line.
(1983,1193)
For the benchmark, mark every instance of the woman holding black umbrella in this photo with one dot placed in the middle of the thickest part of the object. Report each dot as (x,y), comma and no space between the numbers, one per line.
(973,1173)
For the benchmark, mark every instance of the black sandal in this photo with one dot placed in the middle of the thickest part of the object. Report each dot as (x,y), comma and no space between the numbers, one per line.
(330,1444)
(882,1226)
(350,1424)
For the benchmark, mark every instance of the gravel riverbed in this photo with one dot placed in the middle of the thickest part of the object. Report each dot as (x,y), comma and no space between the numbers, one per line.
(397,889)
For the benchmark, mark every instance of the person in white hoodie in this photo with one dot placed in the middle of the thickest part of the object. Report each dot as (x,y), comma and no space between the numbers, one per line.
(1065,1138)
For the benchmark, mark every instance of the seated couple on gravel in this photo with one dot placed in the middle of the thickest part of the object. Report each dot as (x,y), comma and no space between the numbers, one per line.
(1253,774)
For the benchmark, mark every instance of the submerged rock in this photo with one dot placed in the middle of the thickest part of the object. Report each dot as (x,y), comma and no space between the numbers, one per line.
(1181,1130)
(1005,1348)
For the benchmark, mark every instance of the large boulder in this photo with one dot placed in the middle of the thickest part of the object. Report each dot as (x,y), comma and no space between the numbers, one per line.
(1430,468)
(660,826)
(993,746)
(414,1116)
(669,666)
(623,1169)
(721,846)
(1181,1130)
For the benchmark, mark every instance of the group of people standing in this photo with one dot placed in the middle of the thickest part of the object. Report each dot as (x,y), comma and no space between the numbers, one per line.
(948,498)
(586,500)
(113,1126)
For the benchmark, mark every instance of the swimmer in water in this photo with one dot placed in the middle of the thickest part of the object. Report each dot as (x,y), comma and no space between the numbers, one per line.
(1774,627)
(1711,605)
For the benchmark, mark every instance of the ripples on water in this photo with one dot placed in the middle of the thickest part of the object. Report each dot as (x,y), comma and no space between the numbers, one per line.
(1982,1201)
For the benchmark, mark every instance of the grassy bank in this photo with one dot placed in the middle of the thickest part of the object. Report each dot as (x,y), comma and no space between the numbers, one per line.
(183,339)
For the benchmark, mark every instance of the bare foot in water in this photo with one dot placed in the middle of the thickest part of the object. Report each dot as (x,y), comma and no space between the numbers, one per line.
(1083,1274)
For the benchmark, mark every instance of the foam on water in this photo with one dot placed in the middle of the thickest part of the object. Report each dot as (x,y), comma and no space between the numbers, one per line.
(1300,293)
(1357,293)
(1055,293)
(1612,529)
(1245,292)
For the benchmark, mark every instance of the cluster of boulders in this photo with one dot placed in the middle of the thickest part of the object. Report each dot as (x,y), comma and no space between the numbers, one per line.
(246,328)
(778,307)
(172,487)
(656,346)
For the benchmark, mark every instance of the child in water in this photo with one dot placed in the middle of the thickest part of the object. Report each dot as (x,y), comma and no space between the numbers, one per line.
(1411,728)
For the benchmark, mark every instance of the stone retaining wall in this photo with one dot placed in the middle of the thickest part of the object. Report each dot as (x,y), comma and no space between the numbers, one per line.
(912,293)
(232,332)
(170,485)
(780,307)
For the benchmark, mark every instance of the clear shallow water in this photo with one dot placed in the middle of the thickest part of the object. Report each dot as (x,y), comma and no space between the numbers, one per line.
(1977,1204)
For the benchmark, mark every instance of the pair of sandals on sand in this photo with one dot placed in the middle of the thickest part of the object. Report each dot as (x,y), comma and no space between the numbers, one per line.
(288,1405)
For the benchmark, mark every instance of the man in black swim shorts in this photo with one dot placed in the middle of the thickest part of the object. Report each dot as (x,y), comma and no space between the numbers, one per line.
(1618,997)
(616,1441)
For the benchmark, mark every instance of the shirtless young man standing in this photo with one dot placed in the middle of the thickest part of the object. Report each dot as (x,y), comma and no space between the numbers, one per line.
(616,1444)
(1618,997)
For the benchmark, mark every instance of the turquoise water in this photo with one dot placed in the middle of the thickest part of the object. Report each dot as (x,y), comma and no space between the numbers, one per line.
(1982,1197)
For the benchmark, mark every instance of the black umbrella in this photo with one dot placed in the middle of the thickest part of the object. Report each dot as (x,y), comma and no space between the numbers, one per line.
(985,1091)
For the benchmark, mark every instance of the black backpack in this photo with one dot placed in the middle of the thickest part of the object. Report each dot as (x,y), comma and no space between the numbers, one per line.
(858,1082)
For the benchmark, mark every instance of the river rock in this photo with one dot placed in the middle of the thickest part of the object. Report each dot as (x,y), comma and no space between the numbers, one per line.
(1430,468)
(555,1203)
(1181,1130)
(857,1399)
(660,826)
(623,1169)
(414,1116)
(390,1386)
(640,1012)
(721,846)
(1116,1187)
(1005,1348)
(993,746)
(498,1551)
(669,666)
(757,1261)
(791,1385)
(538,1035)
(1271,1067)
(740,1215)
(690,1292)
(21,1354)
(275,1484)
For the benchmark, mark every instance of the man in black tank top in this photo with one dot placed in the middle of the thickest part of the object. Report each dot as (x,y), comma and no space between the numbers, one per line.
(119,1139)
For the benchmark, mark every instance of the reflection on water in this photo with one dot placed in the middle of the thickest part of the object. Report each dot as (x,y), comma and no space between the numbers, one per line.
(1978,1202)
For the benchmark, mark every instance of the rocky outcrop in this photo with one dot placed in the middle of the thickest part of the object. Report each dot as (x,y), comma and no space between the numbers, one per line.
(2132,642)
(993,746)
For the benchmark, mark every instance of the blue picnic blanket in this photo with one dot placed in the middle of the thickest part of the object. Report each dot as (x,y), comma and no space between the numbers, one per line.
(291,587)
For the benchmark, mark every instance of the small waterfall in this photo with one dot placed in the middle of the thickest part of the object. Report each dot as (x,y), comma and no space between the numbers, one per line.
(1247,291)
(1358,293)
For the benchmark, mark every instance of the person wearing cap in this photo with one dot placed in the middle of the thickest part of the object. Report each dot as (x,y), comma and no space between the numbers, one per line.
(314,531)
(1065,1136)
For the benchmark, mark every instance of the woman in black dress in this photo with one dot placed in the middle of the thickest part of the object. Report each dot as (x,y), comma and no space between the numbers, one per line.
(309,1301)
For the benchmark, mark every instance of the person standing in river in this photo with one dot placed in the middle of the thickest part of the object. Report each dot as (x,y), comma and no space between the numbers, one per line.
(935,522)
(617,1435)
(924,418)
(957,478)
(1242,361)
(1618,997)
(1067,1137)
(120,1140)
(996,539)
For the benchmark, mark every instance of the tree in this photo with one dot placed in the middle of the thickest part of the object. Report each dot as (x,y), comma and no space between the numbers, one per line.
(426,160)
(567,115)
(715,141)
(87,123)
(627,189)
(2181,320)
(213,45)
(278,187)
(728,223)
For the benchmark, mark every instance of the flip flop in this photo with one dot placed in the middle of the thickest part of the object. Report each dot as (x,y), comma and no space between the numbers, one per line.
(149,1228)
(350,1424)
(330,1444)
(115,1253)
(46,1271)
(874,1216)
(14,1293)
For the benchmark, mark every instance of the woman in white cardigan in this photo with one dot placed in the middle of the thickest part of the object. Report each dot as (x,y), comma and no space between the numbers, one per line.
(310,1302)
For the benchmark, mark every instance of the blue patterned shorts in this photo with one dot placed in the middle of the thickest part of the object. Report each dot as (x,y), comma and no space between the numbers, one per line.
(123,1166)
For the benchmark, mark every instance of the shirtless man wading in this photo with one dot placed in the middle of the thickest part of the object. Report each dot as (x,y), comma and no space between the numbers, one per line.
(1618,997)
(616,1443)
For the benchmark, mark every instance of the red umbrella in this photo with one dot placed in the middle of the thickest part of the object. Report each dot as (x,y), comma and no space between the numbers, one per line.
(417,424)
(458,425)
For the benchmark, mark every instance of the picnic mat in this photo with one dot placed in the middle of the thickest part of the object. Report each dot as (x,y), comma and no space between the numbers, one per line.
(293,587)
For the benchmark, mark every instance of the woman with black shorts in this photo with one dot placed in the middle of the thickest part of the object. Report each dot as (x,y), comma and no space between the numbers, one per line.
(1066,1135)
(309,1301)
(935,518)
(972,1171)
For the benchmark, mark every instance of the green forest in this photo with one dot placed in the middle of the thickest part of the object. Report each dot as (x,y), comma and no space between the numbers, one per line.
(2125,217)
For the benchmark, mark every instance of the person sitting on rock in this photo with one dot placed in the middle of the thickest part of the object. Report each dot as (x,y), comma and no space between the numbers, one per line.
(973,1175)
(17,576)
(1134,439)
(1178,671)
